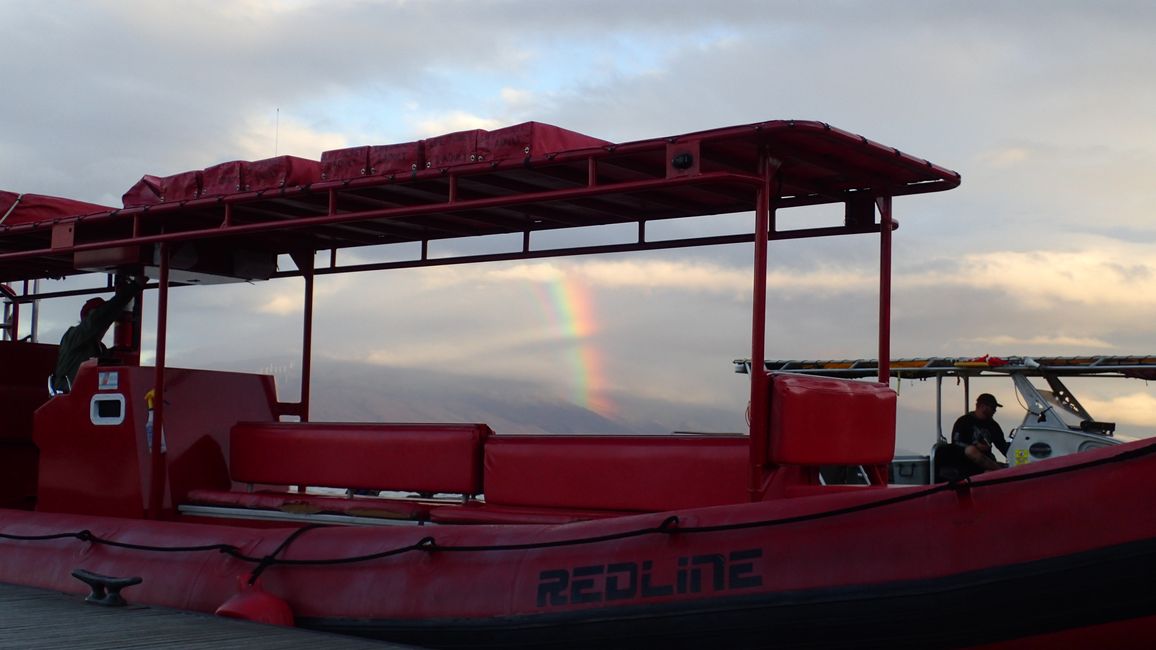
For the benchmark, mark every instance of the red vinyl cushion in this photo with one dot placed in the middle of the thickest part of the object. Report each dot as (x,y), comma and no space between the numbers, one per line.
(457,148)
(530,140)
(825,421)
(393,159)
(341,164)
(311,503)
(281,172)
(640,473)
(150,190)
(146,191)
(521,141)
(223,178)
(418,457)
(486,513)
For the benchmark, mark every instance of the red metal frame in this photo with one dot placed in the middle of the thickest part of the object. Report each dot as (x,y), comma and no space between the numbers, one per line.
(305,265)
(763,167)
(157,462)
(225,228)
(885,223)
(10,295)
(759,394)
(629,182)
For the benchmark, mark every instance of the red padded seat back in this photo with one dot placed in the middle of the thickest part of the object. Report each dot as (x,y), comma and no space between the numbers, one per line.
(418,457)
(825,421)
(602,472)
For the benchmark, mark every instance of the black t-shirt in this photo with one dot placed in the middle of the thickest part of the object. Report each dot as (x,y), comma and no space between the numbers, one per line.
(969,429)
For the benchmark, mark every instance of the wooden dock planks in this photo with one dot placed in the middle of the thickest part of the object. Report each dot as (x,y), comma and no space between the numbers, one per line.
(32,619)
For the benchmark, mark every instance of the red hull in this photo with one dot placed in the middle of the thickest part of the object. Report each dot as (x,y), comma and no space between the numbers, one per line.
(884,561)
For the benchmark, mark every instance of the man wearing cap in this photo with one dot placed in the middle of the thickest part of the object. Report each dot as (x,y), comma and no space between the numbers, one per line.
(83,341)
(977,431)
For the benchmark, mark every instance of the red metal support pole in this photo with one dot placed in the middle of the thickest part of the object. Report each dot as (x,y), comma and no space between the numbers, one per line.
(14,324)
(307,336)
(157,477)
(885,226)
(759,397)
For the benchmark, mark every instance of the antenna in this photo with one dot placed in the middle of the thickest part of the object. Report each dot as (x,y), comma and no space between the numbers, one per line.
(276,130)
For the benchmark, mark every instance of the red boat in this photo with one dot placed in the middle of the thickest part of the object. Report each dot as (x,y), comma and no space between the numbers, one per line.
(546,540)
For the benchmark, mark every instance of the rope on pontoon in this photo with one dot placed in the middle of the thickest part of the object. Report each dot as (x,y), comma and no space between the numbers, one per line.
(670,525)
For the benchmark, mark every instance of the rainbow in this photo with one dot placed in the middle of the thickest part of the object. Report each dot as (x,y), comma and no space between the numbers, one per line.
(570,306)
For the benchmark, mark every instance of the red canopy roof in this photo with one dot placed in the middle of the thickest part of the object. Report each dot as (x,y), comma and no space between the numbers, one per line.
(522,179)
(17,209)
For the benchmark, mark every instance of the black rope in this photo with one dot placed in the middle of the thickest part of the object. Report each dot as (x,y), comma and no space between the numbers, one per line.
(269,559)
(669,526)
(664,527)
(423,544)
(227,549)
(82,535)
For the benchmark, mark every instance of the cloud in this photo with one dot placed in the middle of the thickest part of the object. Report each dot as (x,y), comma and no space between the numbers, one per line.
(278,134)
(693,277)
(1047,243)
(1006,156)
(457,120)
(516,98)
(281,305)
(1134,408)
(1092,276)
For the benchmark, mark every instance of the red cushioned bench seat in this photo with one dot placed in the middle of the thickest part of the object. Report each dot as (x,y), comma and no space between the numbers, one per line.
(617,473)
(421,457)
(379,456)
(485,513)
(312,504)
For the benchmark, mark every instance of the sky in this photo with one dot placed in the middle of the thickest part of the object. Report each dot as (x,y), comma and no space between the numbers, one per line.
(1045,108)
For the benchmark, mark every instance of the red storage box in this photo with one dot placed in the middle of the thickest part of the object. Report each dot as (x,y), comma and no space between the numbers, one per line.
(824,421)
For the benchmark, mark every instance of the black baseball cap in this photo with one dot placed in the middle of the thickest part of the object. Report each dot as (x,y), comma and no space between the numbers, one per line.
(989,399)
